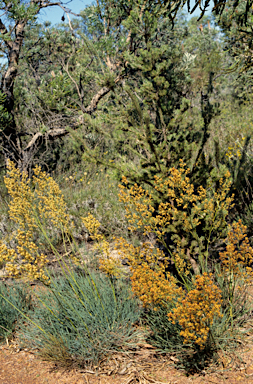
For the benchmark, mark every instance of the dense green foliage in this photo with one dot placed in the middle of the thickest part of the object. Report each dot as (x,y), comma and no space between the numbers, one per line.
(133,87)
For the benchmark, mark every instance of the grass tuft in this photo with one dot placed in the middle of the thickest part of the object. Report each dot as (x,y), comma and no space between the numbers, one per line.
(14,298)
(81,318)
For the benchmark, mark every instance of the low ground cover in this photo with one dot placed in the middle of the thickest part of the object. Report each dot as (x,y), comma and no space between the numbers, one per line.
(170,286)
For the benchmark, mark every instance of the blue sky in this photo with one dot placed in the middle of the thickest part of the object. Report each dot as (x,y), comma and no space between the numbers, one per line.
(54,14)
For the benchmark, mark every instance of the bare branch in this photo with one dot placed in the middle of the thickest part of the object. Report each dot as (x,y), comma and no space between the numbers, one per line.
(70,25)
(66,68)
(45,4)
(52,132)
(95,100)
(57,132)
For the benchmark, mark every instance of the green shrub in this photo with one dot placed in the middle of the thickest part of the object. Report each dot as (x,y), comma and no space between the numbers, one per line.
(81,318)
(97,193)
(165,336)
(204,306)
(226,332)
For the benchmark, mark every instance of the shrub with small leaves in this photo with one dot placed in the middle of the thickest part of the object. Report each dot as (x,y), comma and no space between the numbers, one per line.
(187,222)
(35,204)
(196,310)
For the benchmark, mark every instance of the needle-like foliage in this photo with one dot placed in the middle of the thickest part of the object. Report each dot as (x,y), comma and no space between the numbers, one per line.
(82,318)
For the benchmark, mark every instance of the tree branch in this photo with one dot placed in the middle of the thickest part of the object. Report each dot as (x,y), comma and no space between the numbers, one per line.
(45,4)
(52,132)
(95,100)
(4,31)
(62,131)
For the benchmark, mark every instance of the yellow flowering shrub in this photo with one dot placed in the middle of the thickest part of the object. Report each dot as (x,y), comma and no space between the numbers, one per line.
(193,310)
(238,256)
(196,310)
(153,287)
(34,204)
(191,217)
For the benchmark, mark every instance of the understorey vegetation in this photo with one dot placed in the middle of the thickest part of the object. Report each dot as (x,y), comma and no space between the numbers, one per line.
(126,182)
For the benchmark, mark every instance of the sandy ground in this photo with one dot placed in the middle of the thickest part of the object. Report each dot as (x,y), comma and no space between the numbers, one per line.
(23,367)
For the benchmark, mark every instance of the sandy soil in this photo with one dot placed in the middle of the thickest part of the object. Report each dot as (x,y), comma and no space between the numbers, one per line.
(24,367)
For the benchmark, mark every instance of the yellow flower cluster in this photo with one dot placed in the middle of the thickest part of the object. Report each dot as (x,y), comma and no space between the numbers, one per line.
(150,281)
(92,225)
(238,256)
(50,200)
(138,204)
(153,287)
(21,205)
(108,263)
(34,203)
(236,150)
(196,311)
(182,211)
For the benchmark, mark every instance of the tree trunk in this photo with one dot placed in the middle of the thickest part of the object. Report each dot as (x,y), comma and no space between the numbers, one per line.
(10,141)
